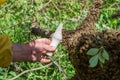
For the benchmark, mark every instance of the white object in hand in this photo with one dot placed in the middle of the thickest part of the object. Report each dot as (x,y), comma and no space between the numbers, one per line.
(56,38)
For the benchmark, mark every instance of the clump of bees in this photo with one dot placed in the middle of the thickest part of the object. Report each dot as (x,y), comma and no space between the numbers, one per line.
(79,41)
(85,37)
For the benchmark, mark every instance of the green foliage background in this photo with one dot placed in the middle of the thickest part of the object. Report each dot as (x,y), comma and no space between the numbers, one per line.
(16,17)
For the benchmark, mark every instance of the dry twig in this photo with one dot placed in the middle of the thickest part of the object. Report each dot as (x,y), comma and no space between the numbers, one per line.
(34,69)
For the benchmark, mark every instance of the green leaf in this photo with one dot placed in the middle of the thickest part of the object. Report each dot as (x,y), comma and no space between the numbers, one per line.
(93,51)
(93,61)
(12,73)
(105,55)
(101,58)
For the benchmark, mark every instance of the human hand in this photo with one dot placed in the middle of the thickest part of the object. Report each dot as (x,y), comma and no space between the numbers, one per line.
(33,51)
(39,49)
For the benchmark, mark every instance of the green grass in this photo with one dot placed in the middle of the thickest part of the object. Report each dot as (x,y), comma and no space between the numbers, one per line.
(16,17)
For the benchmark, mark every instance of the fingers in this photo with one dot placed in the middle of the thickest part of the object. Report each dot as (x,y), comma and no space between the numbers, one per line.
(45,60)
(40,58)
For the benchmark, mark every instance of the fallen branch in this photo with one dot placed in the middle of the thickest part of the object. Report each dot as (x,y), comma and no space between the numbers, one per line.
(34,69)
(43,6)
(60,68)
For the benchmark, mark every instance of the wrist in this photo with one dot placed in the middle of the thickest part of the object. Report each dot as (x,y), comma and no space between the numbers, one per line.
(20,52)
